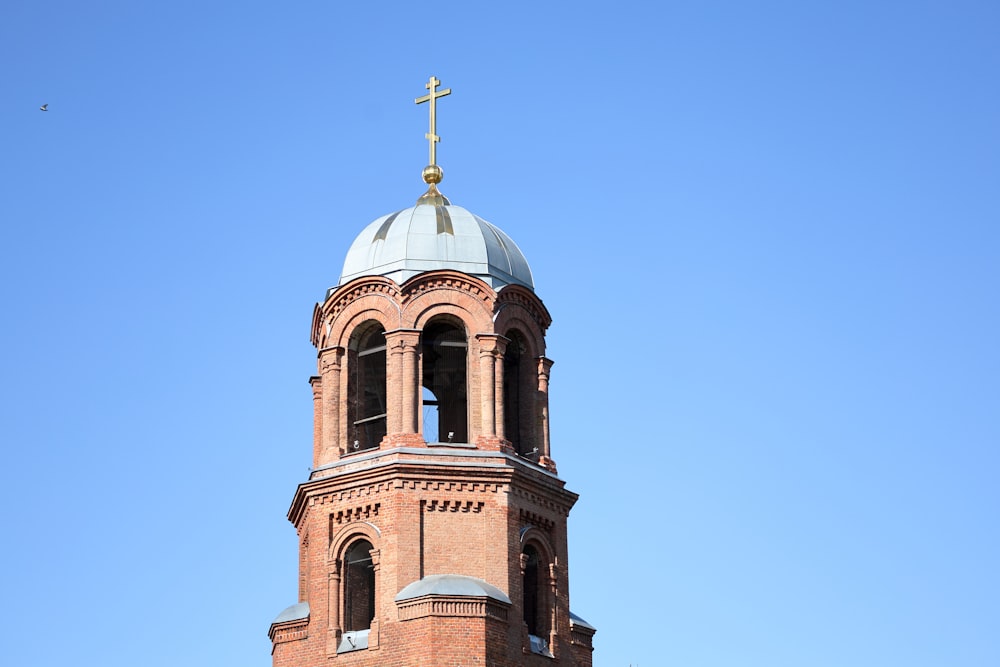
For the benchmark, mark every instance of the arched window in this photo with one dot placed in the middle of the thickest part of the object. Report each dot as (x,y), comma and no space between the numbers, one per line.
(535,602)
(531,592)
(359,587)
(443,355)
(367,390)
(518,396)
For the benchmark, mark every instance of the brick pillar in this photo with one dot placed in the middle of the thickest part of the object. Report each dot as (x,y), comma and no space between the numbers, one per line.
(373,631)
(499,398)
(330,367)
(489,352)
(333,630)
(487,386)
(553,608)
(317,386)
(544,370)
(404,377)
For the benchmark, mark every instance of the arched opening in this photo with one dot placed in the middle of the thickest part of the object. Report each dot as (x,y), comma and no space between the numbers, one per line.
(367,393)
(536,603)
(430,415)
(443,359)
(359,587)
(518,395)
(531,590)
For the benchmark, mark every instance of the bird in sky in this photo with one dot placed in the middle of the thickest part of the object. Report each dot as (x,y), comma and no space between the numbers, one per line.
(44,107)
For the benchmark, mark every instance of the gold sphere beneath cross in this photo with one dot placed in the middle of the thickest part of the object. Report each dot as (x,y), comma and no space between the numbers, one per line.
(432,174)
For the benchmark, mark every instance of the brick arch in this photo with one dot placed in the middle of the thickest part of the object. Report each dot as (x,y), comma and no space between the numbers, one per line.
(527,301)
(508,319)
(370,292)
(368,309)
(456,313)
(537,538)
(448,292)
(350,534)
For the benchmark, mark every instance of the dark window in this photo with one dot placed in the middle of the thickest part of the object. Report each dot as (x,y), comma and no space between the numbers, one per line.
(515,394)
(359,587)
(368,391)
(532,598)
(443,354)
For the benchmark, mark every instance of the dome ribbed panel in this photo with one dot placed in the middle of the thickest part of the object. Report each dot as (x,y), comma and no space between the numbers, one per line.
(430,238)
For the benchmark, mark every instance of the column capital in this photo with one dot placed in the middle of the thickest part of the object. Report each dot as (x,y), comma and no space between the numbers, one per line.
(329,358)
(545,366)
(492,343)
(402,340)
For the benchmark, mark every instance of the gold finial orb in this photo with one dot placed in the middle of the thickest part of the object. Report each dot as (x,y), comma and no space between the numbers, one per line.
(432,174)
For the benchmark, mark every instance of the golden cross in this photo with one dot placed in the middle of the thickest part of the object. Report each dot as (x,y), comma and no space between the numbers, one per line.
(432,98)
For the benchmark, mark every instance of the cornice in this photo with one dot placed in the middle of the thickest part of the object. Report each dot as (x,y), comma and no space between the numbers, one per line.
(361,478)
(450,280)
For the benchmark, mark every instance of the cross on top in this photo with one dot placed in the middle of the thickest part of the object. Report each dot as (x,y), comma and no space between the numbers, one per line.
(432,97)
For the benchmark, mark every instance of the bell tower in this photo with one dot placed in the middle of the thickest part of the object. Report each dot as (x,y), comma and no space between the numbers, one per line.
(432,528)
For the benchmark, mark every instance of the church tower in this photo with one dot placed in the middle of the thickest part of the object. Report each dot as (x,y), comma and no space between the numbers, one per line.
(432,528)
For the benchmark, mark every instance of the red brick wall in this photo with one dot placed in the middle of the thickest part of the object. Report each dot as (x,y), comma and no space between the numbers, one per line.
(438,510)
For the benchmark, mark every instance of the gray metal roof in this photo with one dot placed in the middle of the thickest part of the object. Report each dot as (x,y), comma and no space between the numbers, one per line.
(294,613)
(428,238)
(576,621)
(451,584)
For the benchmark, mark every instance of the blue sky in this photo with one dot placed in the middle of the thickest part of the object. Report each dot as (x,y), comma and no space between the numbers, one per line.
(767,234)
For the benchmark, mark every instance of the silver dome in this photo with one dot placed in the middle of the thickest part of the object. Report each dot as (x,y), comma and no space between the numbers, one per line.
(428,238)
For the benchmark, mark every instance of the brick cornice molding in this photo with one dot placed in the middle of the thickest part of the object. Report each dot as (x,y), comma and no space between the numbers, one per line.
(358,513)
(289,631)
(431,470)
(452,505)
(452,605)
(447,280)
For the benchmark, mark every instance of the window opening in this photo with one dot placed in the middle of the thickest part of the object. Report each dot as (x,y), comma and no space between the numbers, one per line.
(443,354)
(512,391)
(535,602)
(531,597)
(430,416)
(359,587)
(369,405)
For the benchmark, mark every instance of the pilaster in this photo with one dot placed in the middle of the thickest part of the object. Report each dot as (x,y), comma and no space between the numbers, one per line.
(330,373)
(403,345)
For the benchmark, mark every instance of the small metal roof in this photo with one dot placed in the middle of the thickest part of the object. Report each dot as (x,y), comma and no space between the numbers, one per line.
(451,584)
(430,237)
(578,622)
(294,613)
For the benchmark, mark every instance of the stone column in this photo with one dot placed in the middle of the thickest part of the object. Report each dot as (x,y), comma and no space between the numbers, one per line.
(404,394)
(330,367)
